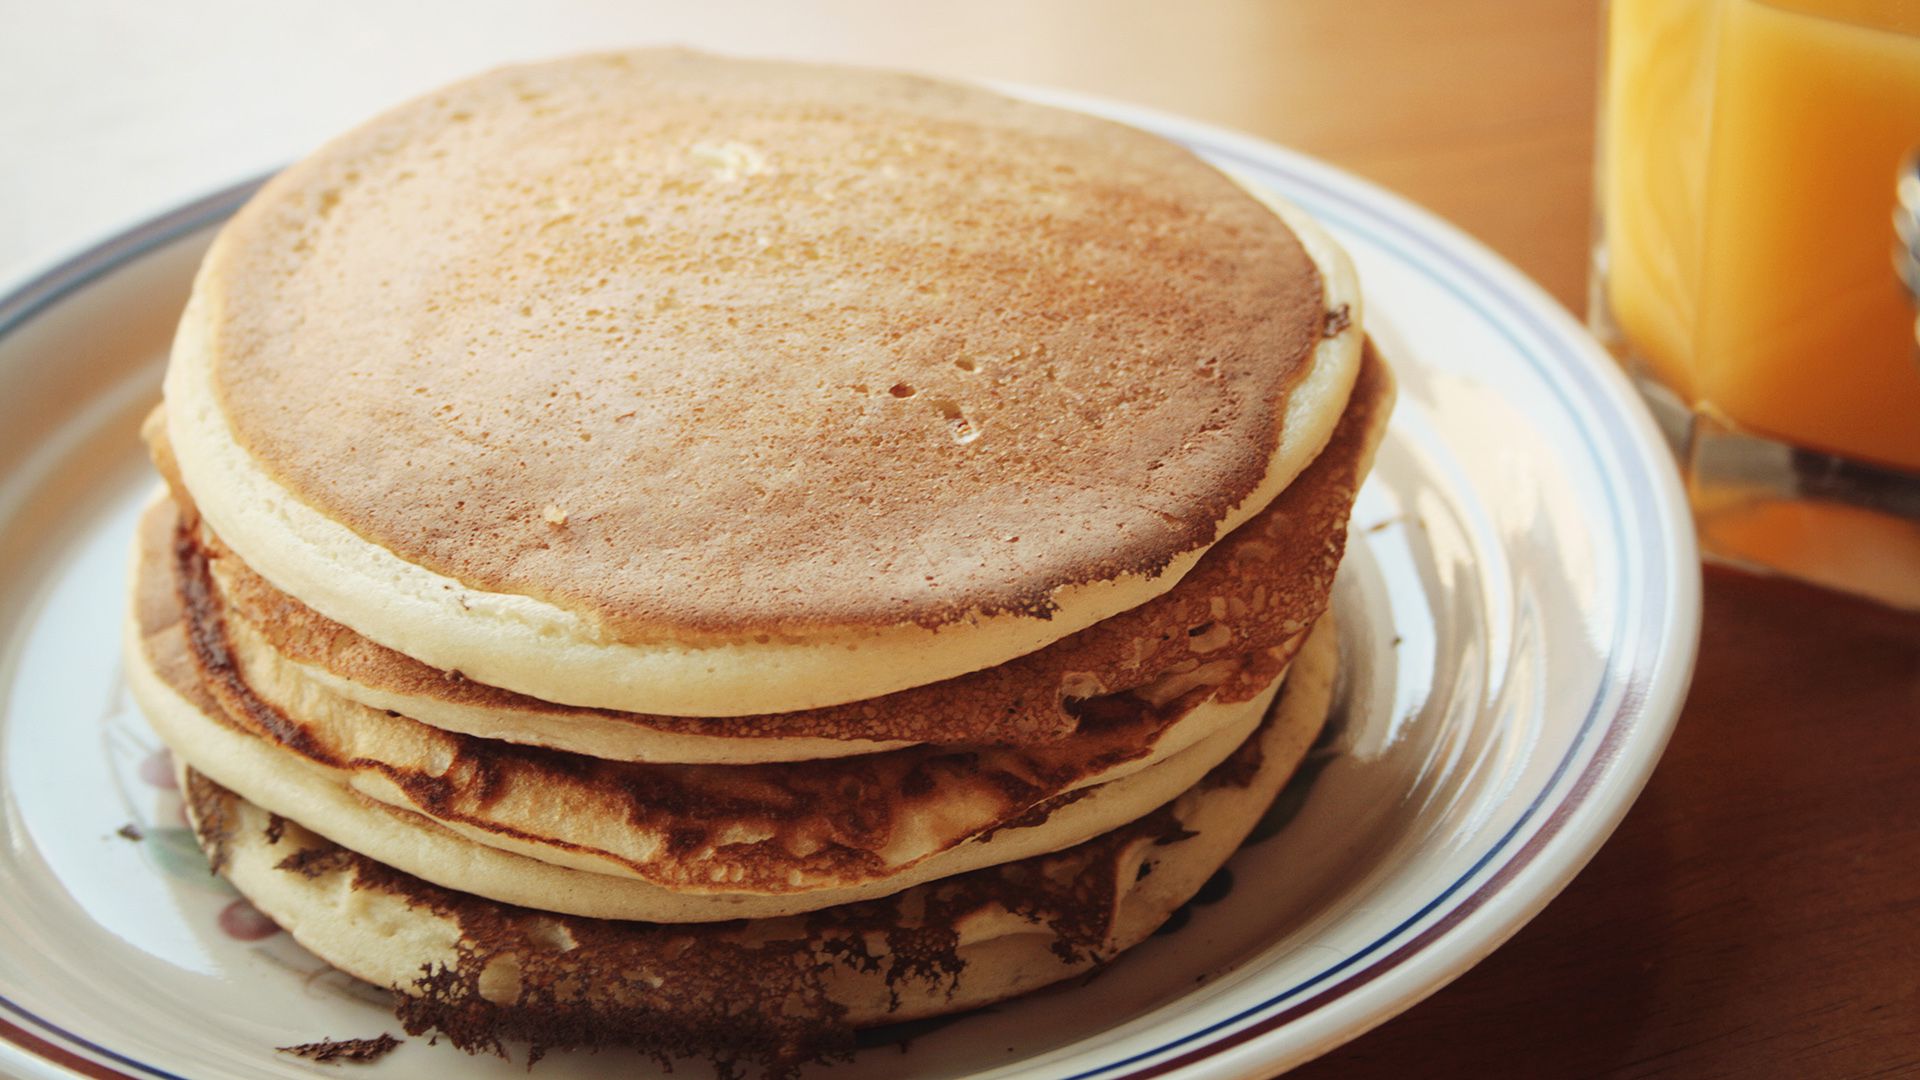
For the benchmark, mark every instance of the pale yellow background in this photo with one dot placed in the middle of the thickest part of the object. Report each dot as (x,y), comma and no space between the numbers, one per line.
(113,110)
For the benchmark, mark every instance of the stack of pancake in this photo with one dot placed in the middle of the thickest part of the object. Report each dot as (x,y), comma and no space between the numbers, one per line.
(708,555)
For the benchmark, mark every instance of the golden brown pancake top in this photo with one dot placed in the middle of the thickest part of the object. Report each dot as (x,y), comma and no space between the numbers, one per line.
(1256,589)
(702,347)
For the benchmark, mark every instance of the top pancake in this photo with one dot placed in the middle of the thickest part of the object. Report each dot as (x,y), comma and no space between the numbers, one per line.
(667,383)
(1254,590)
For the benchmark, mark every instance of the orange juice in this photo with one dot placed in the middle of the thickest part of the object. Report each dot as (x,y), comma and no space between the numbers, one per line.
(1748,176)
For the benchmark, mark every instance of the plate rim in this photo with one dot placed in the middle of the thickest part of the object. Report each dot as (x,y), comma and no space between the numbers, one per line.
(1505,897)
(1634,737)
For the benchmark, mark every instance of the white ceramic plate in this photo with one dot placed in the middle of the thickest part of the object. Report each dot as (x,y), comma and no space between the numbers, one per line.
(1519,610)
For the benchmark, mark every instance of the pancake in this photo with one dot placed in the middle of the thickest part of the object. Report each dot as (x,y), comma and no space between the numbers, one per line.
(659,383)
(813,833)
(1252,591)
(773,991)
(1118,734)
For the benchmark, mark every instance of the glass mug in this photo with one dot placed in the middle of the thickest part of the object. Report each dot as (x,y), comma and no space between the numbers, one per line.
(1756,256)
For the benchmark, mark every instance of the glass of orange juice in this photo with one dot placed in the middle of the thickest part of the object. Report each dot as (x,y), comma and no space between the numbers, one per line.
(1754,269)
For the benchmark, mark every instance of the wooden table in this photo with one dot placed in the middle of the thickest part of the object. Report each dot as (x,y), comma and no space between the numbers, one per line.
(1757,915)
